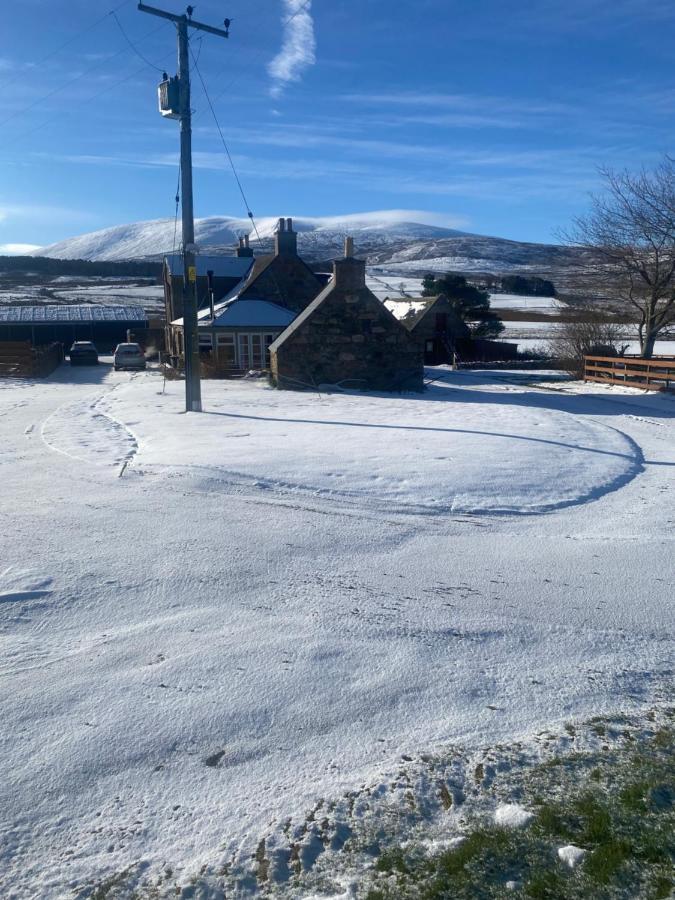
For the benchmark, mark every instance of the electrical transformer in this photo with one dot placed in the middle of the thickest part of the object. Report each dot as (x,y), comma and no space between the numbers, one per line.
(169,97)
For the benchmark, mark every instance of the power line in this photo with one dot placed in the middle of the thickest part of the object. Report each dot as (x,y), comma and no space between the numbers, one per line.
(70,41)
(86,100)
(175,220)
(57,90)
(222,137)
(234,172)
(133,46)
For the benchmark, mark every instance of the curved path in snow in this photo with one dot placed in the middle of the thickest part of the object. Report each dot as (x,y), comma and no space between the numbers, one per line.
(449,450)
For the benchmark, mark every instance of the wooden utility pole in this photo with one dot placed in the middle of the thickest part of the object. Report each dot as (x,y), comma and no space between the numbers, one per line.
(193,391)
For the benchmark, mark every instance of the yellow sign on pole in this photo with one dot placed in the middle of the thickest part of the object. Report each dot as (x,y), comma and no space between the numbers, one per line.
(192,273)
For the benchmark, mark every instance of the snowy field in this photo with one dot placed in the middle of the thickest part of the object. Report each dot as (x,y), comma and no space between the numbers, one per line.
(527,340)
(384,285)
(109,291)
(545,305)
(149,296)
(209,622)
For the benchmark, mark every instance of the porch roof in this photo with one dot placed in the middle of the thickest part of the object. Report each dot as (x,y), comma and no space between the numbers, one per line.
(245,313)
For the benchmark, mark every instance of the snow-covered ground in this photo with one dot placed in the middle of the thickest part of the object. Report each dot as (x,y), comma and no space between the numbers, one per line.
(397,267)
(210,621)
(112,291)
(150,296)
(531,304)
(383,285)
(528,342)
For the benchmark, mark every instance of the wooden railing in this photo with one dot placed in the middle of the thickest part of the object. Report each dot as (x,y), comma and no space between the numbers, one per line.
(656,374)
(19,359)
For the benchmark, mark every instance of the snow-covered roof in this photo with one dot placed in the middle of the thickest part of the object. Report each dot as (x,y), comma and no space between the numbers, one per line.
(245,313)
(72,313)
(221,266)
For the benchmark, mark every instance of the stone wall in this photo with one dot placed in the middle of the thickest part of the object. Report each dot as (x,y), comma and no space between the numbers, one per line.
(347,337)
(425,328)
(287,281)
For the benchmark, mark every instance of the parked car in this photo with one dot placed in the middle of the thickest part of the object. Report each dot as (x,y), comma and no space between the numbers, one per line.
(129,356)
(83,353)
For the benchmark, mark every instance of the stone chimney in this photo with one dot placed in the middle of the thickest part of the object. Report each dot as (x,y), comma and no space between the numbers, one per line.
(349,274)
(244,249)
(285,239)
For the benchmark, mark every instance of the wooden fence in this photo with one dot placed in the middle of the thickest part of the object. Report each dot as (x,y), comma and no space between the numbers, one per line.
(657,374)
(20,359)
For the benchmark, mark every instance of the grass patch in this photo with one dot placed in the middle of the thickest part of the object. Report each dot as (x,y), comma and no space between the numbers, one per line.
(605,861)
(617,805)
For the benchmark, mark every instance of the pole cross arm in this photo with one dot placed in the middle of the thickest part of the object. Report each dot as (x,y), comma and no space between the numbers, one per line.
(191,23)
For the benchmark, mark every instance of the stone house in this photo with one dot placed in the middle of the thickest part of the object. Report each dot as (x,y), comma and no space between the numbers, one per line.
(440,330)
(238,332)
(282,277)
(227,273)
(347,337)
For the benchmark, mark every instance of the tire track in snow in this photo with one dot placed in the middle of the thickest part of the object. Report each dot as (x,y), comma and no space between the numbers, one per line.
(84,433)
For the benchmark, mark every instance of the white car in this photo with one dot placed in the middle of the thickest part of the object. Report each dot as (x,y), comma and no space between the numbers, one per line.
(129,356)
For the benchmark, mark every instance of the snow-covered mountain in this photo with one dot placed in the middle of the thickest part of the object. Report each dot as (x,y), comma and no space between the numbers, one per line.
(154,238)
(391,239)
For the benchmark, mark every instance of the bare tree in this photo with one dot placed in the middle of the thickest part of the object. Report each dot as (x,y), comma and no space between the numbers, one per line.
(630,232)
(591,334)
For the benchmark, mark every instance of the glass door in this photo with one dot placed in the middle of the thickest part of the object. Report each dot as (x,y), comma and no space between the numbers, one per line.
(244,352)
(253,351)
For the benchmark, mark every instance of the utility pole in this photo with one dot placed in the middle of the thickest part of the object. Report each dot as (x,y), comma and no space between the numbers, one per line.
(178,107)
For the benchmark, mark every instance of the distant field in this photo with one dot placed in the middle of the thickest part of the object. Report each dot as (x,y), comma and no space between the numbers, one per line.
(26,289)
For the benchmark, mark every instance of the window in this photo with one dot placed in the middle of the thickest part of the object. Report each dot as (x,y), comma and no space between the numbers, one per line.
(244,351)
(205,343)
(254,350)
(367,326)
(225,350)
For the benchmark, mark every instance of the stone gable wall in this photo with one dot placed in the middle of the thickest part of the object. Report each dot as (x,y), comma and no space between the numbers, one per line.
(349,339)
(425,327)
(286,281)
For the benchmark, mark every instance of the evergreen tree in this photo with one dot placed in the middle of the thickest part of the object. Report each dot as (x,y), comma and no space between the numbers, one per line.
(471,304)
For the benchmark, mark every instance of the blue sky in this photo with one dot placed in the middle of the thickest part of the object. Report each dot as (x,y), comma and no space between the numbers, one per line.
(491,117)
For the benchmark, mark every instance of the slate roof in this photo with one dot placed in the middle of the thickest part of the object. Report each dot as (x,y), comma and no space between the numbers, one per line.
(71,313)
(221,266)
(254,312)
(244,313)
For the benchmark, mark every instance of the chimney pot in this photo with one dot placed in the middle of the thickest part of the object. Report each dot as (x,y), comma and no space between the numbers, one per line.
(349,247)
(285,240)
(243,250)
(349,274)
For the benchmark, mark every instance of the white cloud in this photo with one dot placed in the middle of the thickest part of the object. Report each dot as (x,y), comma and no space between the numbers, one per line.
(31,212)
(298,50)
(17,249)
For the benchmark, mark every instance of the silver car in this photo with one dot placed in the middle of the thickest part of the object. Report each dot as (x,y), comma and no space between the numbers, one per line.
(129,356)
